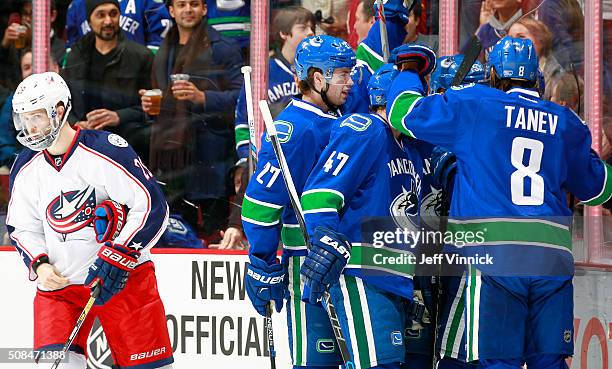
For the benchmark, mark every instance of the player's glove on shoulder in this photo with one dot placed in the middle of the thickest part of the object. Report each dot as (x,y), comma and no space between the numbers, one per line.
(444,165)
(109,219)
(111,269)
(265,283)
(328,255)
(424,57)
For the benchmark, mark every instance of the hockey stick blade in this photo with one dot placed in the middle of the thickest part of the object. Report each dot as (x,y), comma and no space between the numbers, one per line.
(92,299)
(297,207)
(471,54)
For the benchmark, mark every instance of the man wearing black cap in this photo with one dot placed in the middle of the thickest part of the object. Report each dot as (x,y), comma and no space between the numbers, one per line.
(104,71)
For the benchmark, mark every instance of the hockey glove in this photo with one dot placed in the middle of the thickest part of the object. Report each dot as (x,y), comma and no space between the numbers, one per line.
(444,165)
(328,255)
(109,219)
(264,283)
(111,269)
(424,57)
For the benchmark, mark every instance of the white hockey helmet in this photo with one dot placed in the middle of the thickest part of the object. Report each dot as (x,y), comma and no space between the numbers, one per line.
(35,109)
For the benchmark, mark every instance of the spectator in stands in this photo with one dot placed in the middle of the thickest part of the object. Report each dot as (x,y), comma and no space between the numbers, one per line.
(233,20)
(362,21)
(104,71)
(192,142)
(541,37)
(332,18)
(412,32)
(8,144)
(566,19)
(496,17)
(144,21)
(11,54)
(290,26)
(568,90)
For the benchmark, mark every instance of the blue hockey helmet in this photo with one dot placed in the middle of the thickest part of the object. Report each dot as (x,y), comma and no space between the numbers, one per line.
(514,58)
(379,84)
(324,52)
(447,67)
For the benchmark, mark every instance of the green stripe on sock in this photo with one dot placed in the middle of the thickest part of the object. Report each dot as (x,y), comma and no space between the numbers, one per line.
(358,321)
(472,292)
(297,310)
(454,328)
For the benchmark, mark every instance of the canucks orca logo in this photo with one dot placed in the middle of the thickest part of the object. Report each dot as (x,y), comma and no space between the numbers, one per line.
(71,211)
(431,208)
(405,207)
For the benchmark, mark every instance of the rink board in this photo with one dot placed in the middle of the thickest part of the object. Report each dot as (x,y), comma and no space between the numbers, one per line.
(212,324)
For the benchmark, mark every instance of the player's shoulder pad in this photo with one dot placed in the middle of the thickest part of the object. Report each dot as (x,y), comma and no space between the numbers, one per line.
(24,157)
(108,144)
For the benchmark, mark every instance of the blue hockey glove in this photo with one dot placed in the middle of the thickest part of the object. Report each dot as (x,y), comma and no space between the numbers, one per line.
(264,283)
(424,56)
(109,219)
(328,255)
(444,165)
(111,270)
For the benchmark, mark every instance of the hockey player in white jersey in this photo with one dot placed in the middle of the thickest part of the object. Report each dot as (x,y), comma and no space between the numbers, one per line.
(84,209)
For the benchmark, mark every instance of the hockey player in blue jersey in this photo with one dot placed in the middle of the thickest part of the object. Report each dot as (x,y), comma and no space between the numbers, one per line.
(438,167)
(369,51)
(291,25)
(526,153)
(367,170)
(142,21)
(323,67)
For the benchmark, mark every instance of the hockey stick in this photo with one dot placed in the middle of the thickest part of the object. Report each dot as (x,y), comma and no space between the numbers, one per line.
(297,207)
(270,335)
(92,298)
(246,71)
(471,54)
(384,39)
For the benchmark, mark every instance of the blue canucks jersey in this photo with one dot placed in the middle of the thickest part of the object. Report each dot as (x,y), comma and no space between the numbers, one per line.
(281,88)
(369,52)
(516,157)
(142,21)
(364,172)
(232,18)
(267,215)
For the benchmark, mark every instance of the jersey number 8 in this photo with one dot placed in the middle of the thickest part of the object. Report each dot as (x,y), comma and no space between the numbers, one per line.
(517,179)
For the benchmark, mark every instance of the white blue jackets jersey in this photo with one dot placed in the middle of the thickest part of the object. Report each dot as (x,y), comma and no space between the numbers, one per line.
(517,155)
(144,21)
(281,88)
(53,198)
(363,176)
(267,215)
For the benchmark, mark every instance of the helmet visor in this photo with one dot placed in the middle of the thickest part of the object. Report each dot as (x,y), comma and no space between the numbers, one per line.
(33,123)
